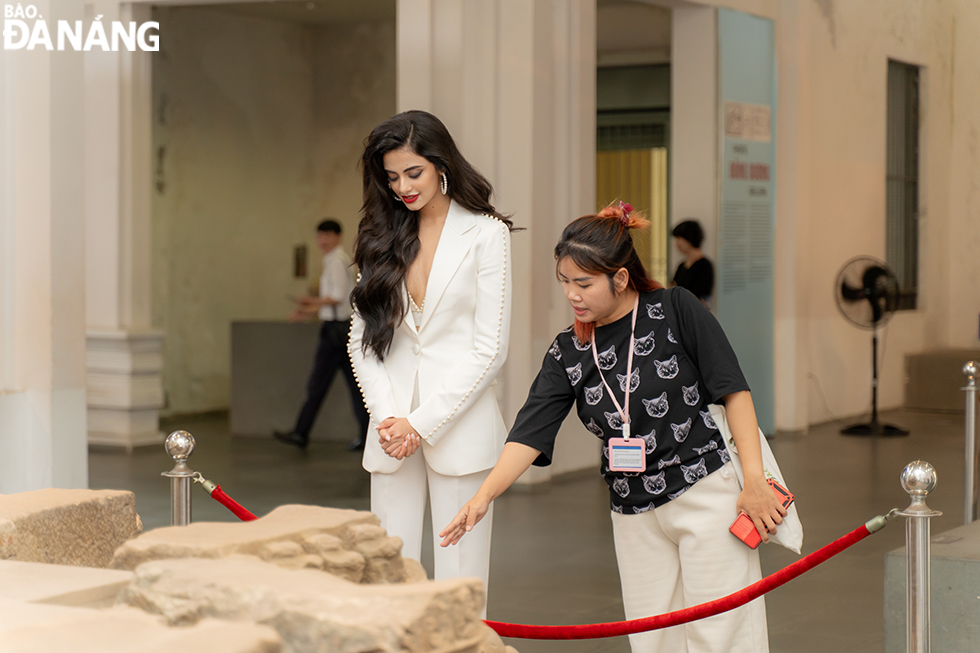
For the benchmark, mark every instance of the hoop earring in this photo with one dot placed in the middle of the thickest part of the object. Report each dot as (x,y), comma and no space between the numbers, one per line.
(397,196)
(445,183)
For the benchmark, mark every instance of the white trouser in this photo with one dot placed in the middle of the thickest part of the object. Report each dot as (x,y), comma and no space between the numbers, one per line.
(398,499)
(682,554)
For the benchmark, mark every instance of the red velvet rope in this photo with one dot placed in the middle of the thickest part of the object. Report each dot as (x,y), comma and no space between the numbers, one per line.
(219,495)
(709,609)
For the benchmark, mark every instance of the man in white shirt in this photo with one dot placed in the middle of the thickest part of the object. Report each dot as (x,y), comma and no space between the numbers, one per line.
(334,310)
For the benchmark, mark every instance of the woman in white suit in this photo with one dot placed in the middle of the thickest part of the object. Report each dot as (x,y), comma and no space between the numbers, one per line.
(429,332)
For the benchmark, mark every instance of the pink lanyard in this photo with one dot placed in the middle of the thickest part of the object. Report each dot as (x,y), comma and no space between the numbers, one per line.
(624,414)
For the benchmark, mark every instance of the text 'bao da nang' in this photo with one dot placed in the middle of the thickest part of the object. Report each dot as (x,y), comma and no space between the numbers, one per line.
(111,36)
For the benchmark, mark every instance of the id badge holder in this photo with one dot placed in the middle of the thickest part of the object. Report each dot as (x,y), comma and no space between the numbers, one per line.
(627,455)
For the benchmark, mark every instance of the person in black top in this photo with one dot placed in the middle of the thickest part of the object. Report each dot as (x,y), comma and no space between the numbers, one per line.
(642,364)
(696,273)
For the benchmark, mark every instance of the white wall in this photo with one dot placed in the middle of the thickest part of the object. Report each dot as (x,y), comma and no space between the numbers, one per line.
(258,128)
(842,118)
(832,66)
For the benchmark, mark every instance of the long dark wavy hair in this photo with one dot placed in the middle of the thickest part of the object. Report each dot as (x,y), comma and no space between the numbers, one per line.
(388,235)
(602,244)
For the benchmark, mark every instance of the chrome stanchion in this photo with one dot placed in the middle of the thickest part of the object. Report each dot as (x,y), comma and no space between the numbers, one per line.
(970,481)
(918,479)
(180,445)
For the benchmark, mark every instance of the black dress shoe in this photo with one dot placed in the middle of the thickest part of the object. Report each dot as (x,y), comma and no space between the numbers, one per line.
(357,444)
(293,438)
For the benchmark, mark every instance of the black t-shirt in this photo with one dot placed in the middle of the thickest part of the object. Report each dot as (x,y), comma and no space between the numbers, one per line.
(669,396)
(699,278)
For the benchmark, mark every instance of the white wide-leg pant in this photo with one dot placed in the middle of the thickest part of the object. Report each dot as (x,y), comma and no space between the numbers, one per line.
(398,499)
(682,554)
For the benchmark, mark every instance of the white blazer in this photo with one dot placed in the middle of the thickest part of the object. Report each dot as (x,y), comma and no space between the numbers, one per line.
(455,354)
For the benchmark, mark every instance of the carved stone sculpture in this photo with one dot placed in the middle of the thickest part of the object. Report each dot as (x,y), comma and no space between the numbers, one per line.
(313,611)
(349,544)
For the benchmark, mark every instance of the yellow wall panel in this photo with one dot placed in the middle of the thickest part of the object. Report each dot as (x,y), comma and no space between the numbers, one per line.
(640,178)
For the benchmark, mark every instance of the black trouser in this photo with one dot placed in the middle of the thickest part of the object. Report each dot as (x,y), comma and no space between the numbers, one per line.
(331,355)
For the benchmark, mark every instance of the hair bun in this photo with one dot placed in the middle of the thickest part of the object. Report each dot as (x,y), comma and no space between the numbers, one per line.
(624,213)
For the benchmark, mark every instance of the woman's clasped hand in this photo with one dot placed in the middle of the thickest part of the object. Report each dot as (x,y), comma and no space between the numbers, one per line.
(397,437)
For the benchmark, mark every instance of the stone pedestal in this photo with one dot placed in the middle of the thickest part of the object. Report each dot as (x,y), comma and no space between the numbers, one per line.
(934,380)
(955,592)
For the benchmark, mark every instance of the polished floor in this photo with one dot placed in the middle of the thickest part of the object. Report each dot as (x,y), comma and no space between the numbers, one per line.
(553,560)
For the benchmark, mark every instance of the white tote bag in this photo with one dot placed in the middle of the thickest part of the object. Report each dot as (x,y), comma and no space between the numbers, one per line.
(789,534)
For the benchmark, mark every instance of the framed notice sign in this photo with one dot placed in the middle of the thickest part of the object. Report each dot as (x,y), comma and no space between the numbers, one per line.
(747,219)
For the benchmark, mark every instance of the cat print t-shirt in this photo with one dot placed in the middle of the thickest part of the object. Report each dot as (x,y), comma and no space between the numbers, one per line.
(682,362)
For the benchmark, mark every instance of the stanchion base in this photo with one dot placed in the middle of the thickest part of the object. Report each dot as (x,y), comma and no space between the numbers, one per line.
(874,429)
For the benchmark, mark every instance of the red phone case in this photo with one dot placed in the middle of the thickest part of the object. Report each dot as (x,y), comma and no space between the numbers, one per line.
(745,530)
(785,496)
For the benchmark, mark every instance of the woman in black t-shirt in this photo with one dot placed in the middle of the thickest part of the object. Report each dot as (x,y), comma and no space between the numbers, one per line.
(642,364)
(695,272)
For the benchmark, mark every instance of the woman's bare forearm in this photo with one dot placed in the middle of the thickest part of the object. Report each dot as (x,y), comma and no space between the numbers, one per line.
(513,462)
(740,412)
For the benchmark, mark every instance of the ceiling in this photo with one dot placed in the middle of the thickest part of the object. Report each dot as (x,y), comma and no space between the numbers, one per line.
(316,12)
(630,33)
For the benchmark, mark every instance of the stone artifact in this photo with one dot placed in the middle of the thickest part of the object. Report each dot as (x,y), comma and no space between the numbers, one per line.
(267,575)
(82,528)
(61,585)
(34,628)
(492,642)
(16,614)
(313,611)
(349,544)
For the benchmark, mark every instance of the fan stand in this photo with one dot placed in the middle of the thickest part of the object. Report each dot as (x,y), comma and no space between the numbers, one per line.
(874,427)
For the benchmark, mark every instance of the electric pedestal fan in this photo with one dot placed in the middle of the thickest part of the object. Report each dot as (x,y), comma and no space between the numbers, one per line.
(867,296)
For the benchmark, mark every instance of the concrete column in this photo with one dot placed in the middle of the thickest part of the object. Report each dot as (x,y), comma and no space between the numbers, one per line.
(694,136)
(514,80)
(792,254)
(125,358)
(42,267)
